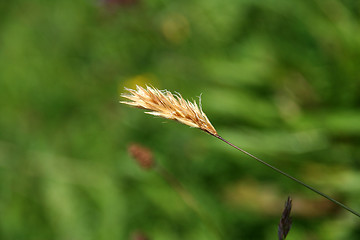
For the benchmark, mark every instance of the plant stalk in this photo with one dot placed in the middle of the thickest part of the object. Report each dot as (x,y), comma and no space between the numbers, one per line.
(289,176)
(188,198)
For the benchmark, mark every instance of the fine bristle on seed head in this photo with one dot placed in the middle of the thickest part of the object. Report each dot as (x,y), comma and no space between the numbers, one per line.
(164,104)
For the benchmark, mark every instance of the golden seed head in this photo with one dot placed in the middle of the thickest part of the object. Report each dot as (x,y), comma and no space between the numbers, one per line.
(164,104)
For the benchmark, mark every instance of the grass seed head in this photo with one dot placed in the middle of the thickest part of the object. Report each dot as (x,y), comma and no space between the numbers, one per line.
(285,221)
(164,104)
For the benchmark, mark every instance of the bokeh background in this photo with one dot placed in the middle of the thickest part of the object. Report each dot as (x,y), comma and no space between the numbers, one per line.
(278,78)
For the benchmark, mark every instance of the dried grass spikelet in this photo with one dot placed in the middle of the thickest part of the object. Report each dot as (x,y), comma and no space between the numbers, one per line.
(164,104)
(285,220)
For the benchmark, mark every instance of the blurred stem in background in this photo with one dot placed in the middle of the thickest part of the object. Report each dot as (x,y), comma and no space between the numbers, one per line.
(144,157)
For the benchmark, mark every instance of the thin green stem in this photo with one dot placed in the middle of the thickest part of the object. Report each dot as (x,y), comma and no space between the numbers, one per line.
(289,176)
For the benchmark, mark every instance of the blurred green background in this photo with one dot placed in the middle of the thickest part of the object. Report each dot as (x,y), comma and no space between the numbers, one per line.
(278,78)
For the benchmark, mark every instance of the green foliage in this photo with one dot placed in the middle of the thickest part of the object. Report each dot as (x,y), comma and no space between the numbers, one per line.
(278,78)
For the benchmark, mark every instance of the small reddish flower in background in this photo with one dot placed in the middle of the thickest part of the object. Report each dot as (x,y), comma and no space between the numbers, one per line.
(142,155)
(139,236)
(118,3)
